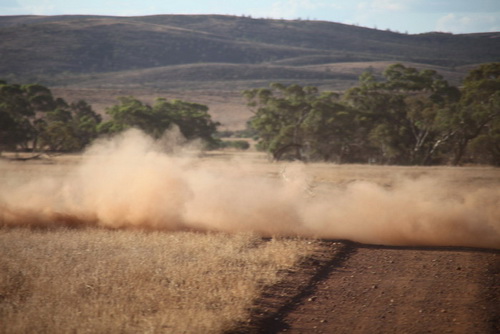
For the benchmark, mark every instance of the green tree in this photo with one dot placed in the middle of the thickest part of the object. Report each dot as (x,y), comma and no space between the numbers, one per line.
(486,147)
(32,119)
(236,144)
(477,111)
(129,113)
(86,121)
(400,113)
(21,107)
(10,131)
(193,119)
(331,130)
(383,131)
(295,122)
(69,127)
(279,115)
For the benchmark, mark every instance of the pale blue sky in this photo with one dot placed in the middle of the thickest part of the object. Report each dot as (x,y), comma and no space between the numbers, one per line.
(412,16)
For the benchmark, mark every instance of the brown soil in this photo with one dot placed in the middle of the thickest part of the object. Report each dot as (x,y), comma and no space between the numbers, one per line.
(352,288)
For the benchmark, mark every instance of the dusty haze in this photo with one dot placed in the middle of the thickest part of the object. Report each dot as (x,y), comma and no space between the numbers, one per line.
(130,182)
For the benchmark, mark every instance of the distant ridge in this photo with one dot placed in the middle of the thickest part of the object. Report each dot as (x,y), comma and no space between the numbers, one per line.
(99,50)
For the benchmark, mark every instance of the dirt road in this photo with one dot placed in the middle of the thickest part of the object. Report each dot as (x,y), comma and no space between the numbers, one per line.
(377,289)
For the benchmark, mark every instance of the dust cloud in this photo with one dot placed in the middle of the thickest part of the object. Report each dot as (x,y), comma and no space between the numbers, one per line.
(130,182)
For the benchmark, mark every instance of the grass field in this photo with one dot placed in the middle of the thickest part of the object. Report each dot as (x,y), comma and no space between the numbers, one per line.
(101,281)
(93,280)
(131,278)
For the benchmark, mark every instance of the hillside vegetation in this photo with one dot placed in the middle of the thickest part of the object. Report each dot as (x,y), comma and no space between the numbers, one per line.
(91,50)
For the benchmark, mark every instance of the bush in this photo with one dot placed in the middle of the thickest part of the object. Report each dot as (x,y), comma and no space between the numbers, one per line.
(236,144)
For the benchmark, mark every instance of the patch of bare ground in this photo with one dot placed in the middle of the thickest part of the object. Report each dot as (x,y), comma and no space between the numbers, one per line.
(298,284)
(380,289)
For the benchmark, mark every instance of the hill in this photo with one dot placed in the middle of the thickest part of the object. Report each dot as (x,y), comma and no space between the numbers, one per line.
(218,53)
(41,47)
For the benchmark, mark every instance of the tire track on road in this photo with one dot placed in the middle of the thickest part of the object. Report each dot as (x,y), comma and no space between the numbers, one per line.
(299,284)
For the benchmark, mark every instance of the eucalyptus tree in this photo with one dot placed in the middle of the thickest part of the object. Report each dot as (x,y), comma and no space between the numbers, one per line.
(21,106)
(279,115)
(402,113)
(295,122)
(69,127)
(478,111)
(192,119)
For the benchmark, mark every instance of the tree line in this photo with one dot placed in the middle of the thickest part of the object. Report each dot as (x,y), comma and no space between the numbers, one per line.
(32,119)
(406,117)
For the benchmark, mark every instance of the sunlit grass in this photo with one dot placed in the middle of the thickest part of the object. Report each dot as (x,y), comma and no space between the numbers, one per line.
(106,281)
(103,281)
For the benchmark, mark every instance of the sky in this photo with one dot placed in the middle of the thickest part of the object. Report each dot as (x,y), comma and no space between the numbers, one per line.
(406,16)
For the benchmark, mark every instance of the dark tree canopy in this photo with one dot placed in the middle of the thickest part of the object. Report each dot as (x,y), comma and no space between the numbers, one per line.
(32,119)
(192,119)
(407,117)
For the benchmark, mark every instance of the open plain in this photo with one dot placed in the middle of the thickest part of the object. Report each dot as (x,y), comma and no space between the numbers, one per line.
(233,276)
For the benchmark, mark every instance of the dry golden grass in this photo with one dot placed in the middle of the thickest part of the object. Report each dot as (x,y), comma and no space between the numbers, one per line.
(129,281)
(103,281)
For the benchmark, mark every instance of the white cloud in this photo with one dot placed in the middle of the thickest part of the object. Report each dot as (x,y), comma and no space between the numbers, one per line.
(385,5)
(463,23)
(385,14)
(40,7)
(389,5)
(457,6)
(291,9)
